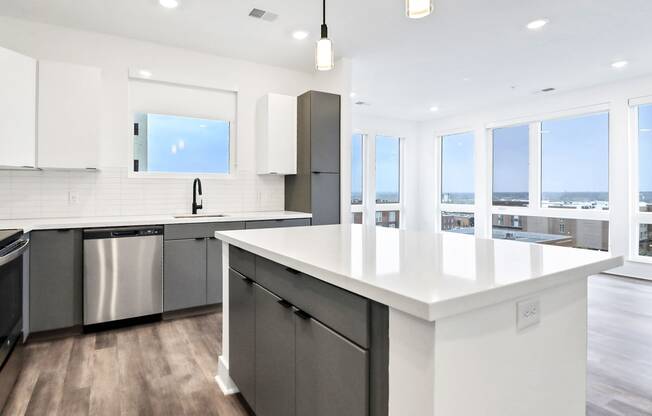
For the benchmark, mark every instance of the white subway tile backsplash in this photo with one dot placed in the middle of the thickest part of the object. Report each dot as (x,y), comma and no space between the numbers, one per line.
(110,192)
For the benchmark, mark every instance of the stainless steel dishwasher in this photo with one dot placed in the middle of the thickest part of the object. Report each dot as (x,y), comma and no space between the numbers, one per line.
(123,273)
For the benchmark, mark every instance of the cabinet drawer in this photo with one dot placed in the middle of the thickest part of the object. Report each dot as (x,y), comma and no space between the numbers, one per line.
(295,222)
(343,311)
(199,230)
(242,261)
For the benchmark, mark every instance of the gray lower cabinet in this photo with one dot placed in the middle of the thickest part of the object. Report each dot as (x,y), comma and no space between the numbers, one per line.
(184,276)
(332,374)
(325,198)
(56,279)
(213,271)
(274,355)
(242,335)
(294,222)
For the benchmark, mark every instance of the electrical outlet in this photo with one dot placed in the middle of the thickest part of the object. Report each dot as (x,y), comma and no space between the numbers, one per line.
(528,313)
(73,198)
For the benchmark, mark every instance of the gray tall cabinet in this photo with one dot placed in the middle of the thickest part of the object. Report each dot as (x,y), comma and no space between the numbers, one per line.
(316,186)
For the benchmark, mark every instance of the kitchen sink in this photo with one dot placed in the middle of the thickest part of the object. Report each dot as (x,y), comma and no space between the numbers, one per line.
(201,216)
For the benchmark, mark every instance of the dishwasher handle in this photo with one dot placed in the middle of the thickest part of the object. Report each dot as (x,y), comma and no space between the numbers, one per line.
(127,233)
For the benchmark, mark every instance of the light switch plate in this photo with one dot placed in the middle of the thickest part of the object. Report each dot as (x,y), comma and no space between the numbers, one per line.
(528,313)
(73,198)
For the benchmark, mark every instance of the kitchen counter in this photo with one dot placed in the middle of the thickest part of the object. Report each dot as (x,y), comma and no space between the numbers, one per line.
(475,326)
(428,275)
(28,225)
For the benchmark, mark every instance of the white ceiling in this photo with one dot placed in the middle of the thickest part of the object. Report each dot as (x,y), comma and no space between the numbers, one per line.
(468,54)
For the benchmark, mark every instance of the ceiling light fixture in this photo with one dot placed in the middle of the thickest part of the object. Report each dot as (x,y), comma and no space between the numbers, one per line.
(352,94)
(416,9)
(145,73)
(537,24)
(619,64)
(169,4)
(324,54)
(434,109)
(299,34)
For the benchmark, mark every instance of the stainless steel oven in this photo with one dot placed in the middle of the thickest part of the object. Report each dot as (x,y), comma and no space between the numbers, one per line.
(12,247)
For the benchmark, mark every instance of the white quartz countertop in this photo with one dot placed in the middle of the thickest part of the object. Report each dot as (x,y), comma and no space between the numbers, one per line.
(428,275)
(122,221)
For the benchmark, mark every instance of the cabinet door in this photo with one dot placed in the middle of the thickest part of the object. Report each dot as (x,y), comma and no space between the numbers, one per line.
(242,335)
(324,132)
(325,198)
(184,274)
(68,115)
(18,109)
(56,279)
(274,355)
(213,271)
(293,222)
(332,374)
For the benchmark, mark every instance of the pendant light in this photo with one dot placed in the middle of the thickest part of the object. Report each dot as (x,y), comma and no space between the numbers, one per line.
(324,51)
(416,9)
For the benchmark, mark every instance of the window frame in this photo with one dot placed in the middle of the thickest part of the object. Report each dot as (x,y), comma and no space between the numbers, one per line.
(636,216)
(535,172)
(442,207)
(360,208)
(134,76)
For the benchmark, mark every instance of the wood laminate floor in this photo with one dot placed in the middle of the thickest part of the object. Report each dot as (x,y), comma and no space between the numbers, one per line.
(167,368)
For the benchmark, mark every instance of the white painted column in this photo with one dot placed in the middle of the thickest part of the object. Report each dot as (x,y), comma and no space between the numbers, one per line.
(223,378)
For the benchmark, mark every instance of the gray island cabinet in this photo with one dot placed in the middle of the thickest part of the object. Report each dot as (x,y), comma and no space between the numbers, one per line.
(296,342)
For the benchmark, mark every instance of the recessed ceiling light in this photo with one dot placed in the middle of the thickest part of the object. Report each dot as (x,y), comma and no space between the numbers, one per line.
(299,34)
(145,73)
(466,79)
(619,64)
(169,4)
(352,94)
(434,109)
(537,24)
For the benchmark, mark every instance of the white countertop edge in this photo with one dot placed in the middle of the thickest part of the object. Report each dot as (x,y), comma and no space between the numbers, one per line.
(440,309)
(35,224)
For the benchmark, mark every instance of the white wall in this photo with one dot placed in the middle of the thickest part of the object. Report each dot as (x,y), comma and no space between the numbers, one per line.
(111,192)
(408,131)
(623,198)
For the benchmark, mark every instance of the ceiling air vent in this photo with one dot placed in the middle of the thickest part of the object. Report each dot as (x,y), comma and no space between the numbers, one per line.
(548,89)
(263,14)
(361,103)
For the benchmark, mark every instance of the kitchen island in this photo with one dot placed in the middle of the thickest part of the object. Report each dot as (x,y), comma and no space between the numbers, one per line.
(453,325)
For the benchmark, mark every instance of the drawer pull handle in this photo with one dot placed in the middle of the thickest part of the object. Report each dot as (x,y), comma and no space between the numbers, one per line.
(284,303)
(293,271)
(301,314)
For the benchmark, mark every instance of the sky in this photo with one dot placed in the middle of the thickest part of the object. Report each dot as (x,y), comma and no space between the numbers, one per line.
(184,144)
(387,164)
(457,163)
(511,158)
(356,164)
(645,147)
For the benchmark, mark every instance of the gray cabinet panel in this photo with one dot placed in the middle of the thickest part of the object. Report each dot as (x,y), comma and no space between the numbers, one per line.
(331,373)
(242,261)
(242,335)
(213,271)
(274,355)
(184,274)
(341,310)
(199,230)
(297,193)
(325,198)
(295,222)
(324,132)
(56,279)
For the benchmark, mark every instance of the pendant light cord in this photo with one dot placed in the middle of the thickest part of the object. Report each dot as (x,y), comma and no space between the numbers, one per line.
(324,12)
(324,28)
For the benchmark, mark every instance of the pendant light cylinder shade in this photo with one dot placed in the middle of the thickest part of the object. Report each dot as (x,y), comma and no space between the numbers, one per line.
(416,9)
(324,54)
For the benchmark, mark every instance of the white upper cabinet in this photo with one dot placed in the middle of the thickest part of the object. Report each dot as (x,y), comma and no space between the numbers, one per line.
(276,135)
(68,115)
(17,110)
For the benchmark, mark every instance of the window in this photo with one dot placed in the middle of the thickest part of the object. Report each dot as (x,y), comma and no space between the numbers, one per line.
(644,158)
(356,169)
(644,243)
(388,218)
(181,130)
(511,166)
(575,162)
(458,222)
(457,167)
(388,170)
(165,143)
(578,233)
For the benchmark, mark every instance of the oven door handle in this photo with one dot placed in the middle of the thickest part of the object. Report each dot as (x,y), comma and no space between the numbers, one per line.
(17,252)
